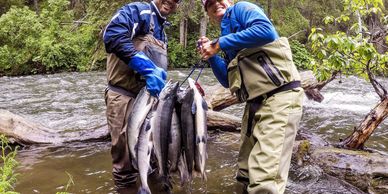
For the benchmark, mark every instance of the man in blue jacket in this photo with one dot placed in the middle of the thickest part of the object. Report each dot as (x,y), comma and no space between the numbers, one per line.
(136,44)
(257,67)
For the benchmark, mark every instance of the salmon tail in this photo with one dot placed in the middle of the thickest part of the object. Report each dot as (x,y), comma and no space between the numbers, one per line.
(144,190)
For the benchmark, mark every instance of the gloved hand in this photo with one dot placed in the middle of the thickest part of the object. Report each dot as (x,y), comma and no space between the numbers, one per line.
(155,76)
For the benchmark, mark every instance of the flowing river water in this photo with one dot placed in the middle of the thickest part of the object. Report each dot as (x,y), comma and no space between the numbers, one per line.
(74,102)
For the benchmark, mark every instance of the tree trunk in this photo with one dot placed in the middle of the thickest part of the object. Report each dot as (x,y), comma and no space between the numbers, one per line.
(269,2)
(182,32)
(378,33)
(361,134)
(203,26)
(185,33)
(36,6)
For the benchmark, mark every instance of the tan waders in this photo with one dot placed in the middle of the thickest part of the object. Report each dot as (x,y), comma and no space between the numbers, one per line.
(266,146)
(118,108)
(267,79)
(123,86)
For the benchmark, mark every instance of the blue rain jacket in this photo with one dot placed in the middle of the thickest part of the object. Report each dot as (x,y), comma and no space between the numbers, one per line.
(244,25)
(130,21)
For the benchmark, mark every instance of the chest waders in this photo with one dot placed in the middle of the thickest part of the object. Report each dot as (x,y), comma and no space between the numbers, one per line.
(123,79)
(267,79)
(123,86)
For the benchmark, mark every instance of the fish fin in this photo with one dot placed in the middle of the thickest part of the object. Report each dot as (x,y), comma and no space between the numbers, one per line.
(204,140)
(134,164)
(150,171)
(148,126)
(166,184)
(204,177)
(193,108)
(144,190)
(204,105)
(197,140)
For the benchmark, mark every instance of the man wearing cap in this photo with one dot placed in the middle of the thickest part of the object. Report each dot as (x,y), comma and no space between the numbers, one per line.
(136,44)
(257,67)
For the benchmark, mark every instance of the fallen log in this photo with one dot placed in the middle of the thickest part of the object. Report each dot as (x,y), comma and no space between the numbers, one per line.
(360,134)
(312,157)
(22,131)
(221,97)
(223,121)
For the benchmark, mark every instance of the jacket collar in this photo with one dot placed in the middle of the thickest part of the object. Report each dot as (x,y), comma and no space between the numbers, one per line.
(157,11)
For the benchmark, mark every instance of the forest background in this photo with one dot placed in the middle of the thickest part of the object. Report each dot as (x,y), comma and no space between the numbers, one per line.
(50,36)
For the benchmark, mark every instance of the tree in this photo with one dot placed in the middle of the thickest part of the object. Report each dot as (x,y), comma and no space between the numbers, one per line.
(353,52)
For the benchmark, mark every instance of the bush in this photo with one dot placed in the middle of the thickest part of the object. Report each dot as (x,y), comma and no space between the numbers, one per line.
(7,174)
(301,56)
(43,44)
(289,21)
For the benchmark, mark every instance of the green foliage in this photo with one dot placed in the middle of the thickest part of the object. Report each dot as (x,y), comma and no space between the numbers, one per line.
(348,52)
(19,39)
(179,56)
(53,42)
(300,55)
(45,43)
(5,5)
(8,176)
(289,21)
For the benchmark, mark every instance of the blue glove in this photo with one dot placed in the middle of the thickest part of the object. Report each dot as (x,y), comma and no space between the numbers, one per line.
(155,76)
(220,70)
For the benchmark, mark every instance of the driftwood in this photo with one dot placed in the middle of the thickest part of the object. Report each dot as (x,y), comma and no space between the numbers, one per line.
(219,120)
(23,131)
(26,132)
(221,98)
(361,134)
(372,120)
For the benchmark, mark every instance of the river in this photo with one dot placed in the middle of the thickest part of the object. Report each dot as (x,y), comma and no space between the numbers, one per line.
(70,102)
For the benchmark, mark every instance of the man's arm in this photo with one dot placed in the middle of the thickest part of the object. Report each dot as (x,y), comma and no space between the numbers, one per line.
(220,70)
(118,39)
(258,29)
(119,33)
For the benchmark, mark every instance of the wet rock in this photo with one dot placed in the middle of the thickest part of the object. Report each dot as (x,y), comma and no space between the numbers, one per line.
(315,161)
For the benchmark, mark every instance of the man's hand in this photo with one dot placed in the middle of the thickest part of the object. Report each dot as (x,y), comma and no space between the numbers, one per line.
(155,76)
(155,81)
(208,48)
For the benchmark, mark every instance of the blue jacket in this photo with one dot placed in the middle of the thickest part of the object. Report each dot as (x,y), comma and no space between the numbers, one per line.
(244,25)
(130,21)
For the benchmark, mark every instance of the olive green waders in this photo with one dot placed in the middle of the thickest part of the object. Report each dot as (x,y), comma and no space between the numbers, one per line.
(267,79)
(266,147)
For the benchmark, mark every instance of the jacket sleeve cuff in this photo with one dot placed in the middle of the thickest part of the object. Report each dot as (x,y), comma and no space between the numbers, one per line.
(223,43)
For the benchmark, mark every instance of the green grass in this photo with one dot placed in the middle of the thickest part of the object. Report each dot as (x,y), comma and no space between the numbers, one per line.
(7,169)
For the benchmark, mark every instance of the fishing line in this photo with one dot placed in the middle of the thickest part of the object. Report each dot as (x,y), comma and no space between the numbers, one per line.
(200,72)
(187,77)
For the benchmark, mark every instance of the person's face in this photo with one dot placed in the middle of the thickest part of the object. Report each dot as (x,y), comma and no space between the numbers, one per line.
(166,7)
(216,9)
